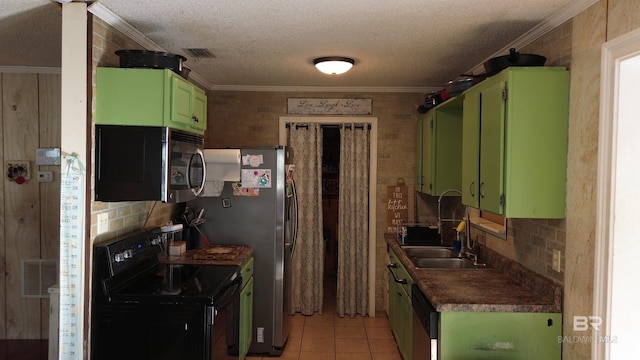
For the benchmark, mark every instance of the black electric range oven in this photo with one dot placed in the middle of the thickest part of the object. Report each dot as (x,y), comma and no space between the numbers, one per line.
(133,316)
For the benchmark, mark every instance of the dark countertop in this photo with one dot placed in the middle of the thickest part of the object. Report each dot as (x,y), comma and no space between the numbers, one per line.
(480,290)
(190,257)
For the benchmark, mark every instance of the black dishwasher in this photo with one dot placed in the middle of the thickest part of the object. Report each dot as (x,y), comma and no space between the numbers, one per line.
(425,326)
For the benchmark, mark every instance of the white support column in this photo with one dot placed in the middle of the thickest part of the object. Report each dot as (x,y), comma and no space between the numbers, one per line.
(74,283)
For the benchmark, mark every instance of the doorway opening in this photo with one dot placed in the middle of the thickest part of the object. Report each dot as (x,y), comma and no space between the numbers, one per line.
(369,278)
(330,209)
(618,198)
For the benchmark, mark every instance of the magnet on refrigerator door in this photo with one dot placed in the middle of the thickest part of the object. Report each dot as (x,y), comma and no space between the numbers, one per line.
(256,178)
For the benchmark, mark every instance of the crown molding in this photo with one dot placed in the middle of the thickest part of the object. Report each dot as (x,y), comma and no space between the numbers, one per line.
(565,14)
(30,69)
(124,27)
(538,31)
(330,89)
(134,34)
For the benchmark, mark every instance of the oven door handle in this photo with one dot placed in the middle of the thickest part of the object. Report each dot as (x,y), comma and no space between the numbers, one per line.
(229,294)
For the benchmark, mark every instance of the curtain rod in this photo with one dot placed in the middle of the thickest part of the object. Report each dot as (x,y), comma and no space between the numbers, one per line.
(330,126)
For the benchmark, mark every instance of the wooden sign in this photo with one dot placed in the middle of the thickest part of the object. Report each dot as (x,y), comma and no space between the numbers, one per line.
(397,205)
(329,106)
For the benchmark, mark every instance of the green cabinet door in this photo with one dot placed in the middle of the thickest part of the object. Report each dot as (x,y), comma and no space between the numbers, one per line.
(181,100)
(199,110)
(441,144)
(446,168)
(246,319)
(400,308)
(515,139)
(428,155)
(495,335)
(394,308)
(536,140)
(401,318)
(419,180)
(246,309)
(492,148)
(188,105)
(471,149)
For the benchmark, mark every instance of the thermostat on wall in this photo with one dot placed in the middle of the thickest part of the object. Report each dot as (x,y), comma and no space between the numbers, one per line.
(48,156)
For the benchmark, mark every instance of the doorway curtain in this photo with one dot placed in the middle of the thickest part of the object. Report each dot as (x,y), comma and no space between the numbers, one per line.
(353,221)
(308,259)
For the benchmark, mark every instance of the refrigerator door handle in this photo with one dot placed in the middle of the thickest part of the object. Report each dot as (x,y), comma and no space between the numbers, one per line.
(294,218)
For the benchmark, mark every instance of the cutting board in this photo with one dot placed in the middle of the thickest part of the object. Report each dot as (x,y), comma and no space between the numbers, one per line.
(217,252)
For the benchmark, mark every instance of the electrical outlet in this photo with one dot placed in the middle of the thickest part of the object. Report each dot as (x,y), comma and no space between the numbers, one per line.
(103,223)
(556,262)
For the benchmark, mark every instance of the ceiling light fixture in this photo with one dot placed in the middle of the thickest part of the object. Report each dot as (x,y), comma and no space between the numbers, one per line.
(333,65)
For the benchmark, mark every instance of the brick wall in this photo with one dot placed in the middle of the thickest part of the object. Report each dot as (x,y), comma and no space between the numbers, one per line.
(244,119)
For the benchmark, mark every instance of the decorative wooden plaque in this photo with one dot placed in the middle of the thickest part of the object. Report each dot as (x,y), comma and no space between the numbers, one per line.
(300,106)
(397,205)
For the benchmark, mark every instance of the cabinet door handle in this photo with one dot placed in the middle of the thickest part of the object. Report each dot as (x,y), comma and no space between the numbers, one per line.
(395,278)
(471,189)
(482,190)
(195,118)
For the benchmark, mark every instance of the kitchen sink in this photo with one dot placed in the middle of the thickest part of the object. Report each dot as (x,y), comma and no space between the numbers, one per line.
(443,263)
(428,252)
(438,257)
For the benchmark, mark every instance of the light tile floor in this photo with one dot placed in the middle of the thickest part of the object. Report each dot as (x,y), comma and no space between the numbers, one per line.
(329,337)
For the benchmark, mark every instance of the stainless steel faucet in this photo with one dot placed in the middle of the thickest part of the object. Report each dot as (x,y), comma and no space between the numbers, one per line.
(466,245)
(440,219)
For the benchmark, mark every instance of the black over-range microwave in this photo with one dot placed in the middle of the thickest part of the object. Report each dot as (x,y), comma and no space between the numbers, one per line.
(138,163)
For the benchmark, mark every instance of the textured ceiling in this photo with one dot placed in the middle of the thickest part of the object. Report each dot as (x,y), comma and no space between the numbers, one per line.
(395,44)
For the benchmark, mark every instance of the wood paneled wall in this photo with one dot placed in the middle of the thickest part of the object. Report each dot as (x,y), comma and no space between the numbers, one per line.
(29,213)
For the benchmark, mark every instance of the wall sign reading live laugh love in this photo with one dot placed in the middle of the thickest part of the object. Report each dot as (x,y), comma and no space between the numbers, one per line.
(329,106)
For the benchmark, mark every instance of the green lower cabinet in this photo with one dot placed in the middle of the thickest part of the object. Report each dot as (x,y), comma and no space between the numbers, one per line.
(495,336)
(400,309)
(246,319)
(246,309)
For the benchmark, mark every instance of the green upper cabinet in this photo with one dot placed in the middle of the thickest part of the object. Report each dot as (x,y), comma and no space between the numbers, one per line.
(438,148)
(515,127)
(149,97)
(419,183)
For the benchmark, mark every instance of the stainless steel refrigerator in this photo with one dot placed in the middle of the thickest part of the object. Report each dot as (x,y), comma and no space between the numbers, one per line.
(260,211)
